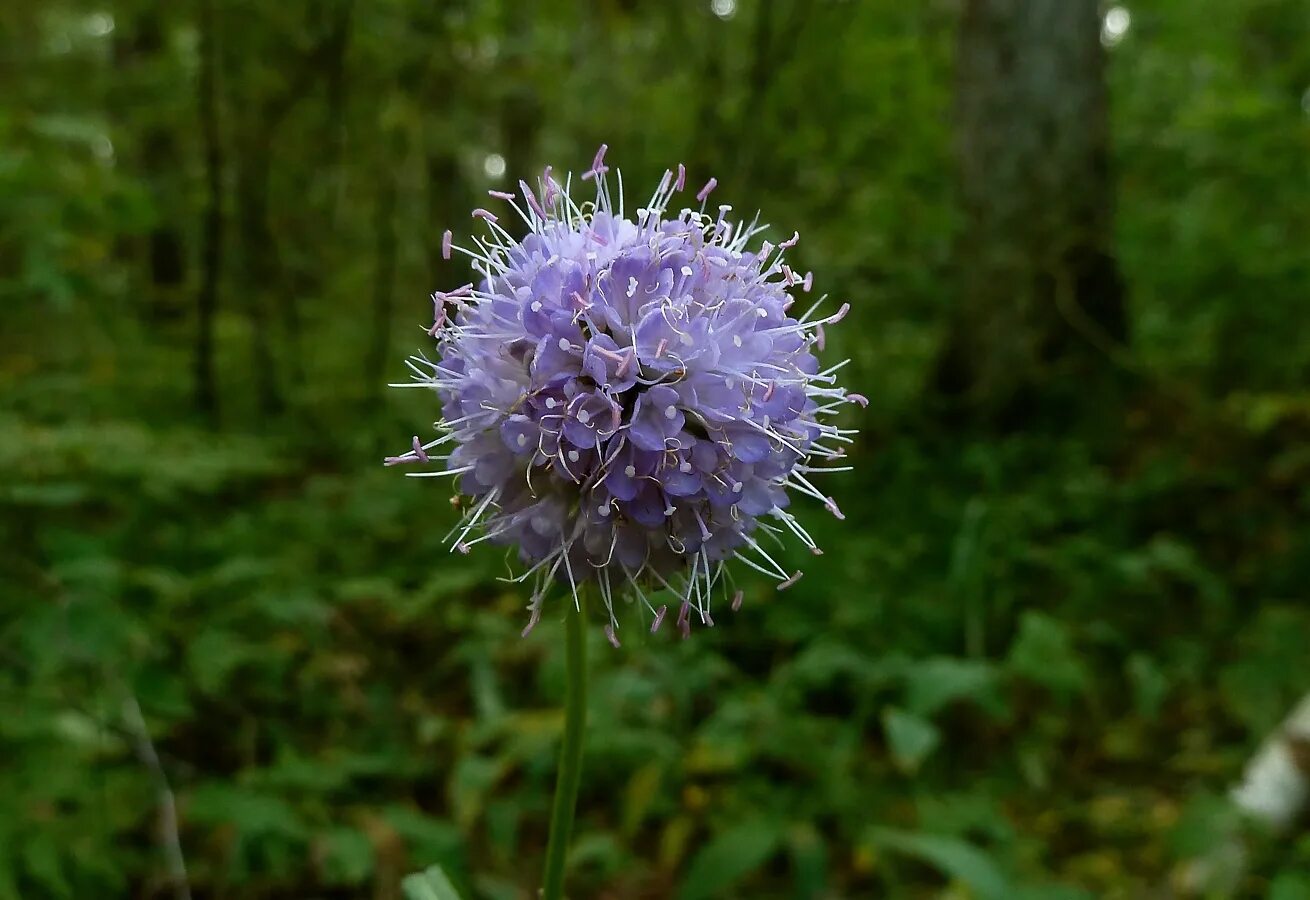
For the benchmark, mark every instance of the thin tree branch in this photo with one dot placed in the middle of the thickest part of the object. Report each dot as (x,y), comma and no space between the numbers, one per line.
(168,831)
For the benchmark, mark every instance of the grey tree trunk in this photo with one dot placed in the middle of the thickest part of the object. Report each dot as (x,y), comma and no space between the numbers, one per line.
(140,46)
(1040,294)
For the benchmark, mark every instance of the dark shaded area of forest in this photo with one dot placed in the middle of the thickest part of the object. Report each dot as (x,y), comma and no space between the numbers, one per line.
(1068,601)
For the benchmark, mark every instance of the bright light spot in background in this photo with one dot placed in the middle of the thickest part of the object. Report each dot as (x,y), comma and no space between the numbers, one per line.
(103,148)
(494,165)
(1305,102)
(99,24)
(1115,25)
(723,8)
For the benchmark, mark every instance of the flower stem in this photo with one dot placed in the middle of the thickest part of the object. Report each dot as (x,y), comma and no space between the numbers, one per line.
(570,755)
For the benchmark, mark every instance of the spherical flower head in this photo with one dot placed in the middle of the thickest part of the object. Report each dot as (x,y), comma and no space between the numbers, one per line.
(628,400)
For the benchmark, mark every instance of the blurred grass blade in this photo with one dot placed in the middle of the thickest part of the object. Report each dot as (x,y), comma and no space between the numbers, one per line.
(728,858)
(956,858)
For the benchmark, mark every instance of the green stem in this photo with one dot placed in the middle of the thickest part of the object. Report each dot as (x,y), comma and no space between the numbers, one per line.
(570,755)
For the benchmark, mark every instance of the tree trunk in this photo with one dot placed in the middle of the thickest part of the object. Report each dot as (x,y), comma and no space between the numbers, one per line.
(211,261)
(1040,295)
(138,48)
(264,280)
(384,280)
(436,85)
(259,258)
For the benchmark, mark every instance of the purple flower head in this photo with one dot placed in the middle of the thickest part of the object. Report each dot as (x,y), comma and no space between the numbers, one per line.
(628,400)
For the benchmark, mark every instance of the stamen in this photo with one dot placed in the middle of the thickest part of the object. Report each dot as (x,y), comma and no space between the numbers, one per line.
(533,619)
(790,581)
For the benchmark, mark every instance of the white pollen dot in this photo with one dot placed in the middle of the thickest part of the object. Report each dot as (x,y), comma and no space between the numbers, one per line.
(603,509)
(686,270)
(632,286)
(762,313)
(630,471)
(583,416)
(684,468)
(736,340)
(550,403)
(536,306)
(564,343)
(574,456)
(670,412)
(670,511)
(523,440)
(736,486)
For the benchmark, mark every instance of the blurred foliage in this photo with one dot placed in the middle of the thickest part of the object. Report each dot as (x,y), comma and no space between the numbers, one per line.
(1028,665)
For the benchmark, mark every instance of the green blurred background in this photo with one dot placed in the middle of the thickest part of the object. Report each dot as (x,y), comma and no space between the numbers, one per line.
(1069,598)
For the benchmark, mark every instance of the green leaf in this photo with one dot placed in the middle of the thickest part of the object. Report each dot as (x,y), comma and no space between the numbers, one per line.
(1290,886)
(597,852)
(909,737)
(348,857)
(470,783)
(809,861)
(430,884)
(1052,892)
(1208,822)
(253,814)
(642,790)
(1044,653)
(956,858)
(8,889)
(214,655)
(41,858)
(428,838)
(931,684)
(1150,685)
(728,858)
